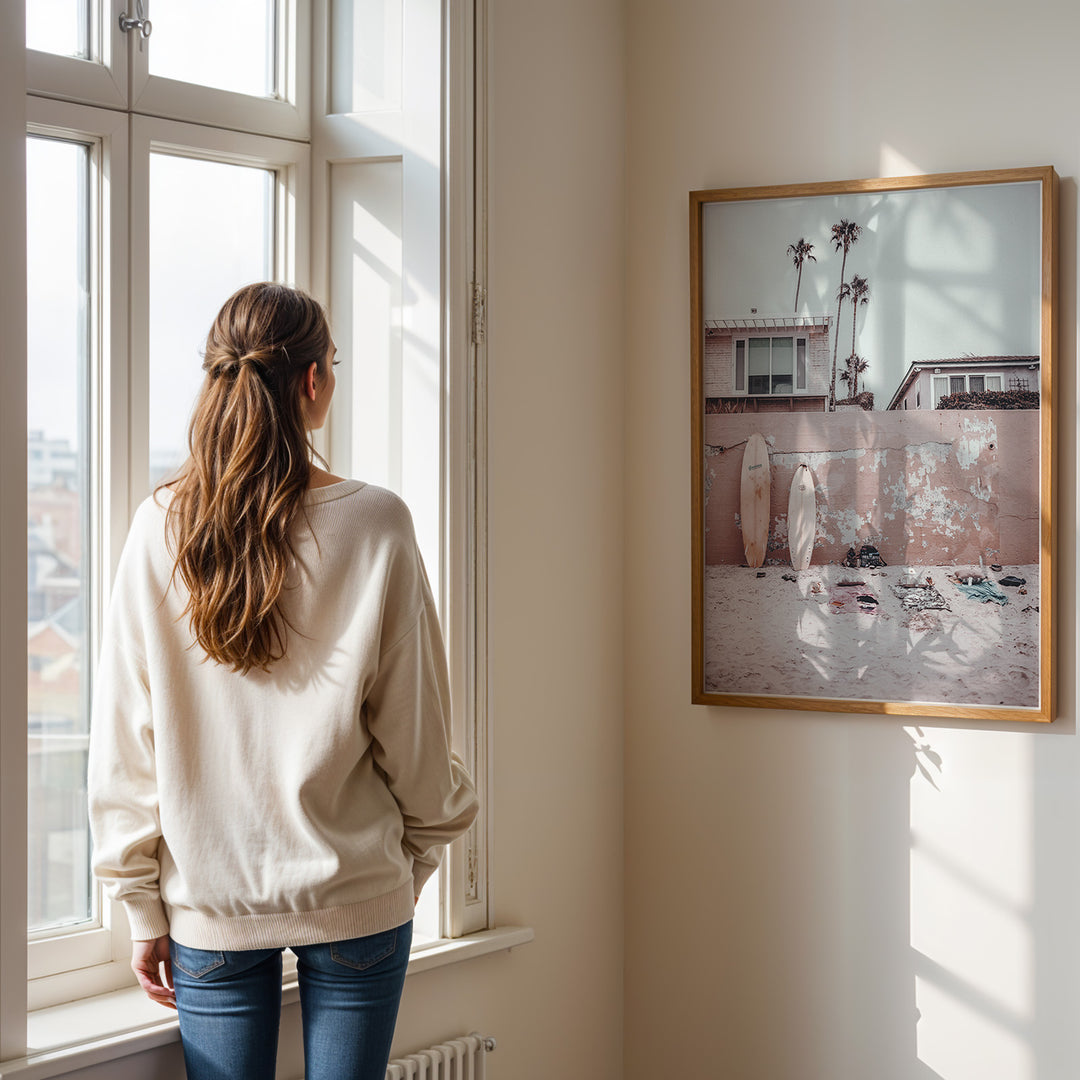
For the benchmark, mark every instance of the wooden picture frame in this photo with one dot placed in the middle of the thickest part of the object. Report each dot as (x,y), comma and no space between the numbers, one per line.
(887,544)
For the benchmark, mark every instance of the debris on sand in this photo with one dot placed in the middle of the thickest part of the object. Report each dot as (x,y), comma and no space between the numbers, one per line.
(920,596)
(845,599)
(983,590)
(1012,581)
(868,556)
(789,577)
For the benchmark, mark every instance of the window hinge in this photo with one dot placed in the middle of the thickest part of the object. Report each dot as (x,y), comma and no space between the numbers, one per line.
(479,313)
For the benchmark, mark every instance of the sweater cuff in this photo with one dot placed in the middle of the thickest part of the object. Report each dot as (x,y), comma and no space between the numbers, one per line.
(146,919)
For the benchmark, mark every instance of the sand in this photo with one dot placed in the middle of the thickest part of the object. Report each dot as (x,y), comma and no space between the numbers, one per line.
(813,637)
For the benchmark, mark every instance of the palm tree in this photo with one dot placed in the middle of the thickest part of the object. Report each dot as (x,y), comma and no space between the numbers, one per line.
(844,234)
(856,365)
(800,251)
(858,292)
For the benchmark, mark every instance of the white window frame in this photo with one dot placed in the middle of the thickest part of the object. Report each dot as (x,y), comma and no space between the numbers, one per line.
(796,390)
(104,82)
(375,136)
(290,160)
(287,116)
(945,377)
(100,79)
(106,133)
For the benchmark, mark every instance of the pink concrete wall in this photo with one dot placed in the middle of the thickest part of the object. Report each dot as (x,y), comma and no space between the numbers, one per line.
(927,487)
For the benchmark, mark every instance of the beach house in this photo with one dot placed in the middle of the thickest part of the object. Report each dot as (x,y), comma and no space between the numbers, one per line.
(927,382)
(767,363)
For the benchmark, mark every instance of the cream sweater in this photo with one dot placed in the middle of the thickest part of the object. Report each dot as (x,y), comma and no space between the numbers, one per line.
(304,805)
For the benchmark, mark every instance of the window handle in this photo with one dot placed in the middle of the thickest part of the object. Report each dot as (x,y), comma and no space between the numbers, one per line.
(142,24)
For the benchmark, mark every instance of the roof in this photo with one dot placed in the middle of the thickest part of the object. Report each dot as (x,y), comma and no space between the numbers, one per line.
(768,322)
(958,361)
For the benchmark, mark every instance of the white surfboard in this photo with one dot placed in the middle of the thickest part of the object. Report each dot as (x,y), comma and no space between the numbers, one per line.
(802,517)
(754,500)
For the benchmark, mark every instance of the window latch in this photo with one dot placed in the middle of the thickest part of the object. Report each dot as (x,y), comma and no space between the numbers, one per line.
(142,24)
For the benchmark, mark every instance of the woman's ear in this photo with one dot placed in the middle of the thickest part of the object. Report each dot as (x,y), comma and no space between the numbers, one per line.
(309,380)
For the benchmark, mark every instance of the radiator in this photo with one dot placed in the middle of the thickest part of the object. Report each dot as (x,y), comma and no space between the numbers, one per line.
(456,1059)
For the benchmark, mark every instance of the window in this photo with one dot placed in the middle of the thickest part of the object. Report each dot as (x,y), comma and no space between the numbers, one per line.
(164,157)
(770,365)
(964,384)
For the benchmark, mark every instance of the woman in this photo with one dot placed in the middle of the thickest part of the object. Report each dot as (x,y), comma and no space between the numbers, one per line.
(270,763)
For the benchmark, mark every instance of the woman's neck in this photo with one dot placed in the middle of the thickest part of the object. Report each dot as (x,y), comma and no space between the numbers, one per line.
(321,478)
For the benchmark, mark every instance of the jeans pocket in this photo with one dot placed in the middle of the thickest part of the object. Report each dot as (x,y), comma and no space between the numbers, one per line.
(364,952)
(195,962)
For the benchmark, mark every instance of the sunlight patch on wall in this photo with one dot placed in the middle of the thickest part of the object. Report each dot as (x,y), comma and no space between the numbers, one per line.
(971,901)
(894,163)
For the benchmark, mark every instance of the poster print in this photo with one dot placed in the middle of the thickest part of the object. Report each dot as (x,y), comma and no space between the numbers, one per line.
(872,424)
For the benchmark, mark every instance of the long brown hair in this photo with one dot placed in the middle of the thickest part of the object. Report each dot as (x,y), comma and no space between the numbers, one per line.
(242,488)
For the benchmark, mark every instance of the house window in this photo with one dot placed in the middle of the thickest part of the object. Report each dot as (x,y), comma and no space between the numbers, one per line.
(772,365)
(964,384)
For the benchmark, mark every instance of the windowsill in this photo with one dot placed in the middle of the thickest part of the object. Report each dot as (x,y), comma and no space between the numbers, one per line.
(84,1033)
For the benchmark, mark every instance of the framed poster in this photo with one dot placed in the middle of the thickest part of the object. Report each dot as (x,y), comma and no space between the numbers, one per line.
(873,445)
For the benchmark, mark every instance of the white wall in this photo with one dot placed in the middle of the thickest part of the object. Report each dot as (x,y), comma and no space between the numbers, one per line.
(801,900)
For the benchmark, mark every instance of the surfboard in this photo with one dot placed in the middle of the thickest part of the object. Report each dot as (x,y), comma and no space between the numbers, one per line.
(802,517)
(754,500)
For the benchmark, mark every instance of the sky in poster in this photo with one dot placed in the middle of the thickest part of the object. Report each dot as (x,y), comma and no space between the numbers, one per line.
(952,271)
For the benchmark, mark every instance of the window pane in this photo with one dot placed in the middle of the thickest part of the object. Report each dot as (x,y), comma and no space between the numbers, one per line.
(759,365)
(941,388)
(993,382)
(783,364)
(211,231)
(58,500)
(740,365)
(800,364)
(229,46)
(956,384)
(58,26)
(976,384)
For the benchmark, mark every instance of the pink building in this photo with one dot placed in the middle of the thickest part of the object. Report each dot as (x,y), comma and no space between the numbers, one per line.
(928,381)
(767,363)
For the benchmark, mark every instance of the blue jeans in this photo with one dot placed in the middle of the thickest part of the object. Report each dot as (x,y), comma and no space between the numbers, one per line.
(230,1007)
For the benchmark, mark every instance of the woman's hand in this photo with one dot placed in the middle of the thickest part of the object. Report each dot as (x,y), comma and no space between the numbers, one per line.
(153,968)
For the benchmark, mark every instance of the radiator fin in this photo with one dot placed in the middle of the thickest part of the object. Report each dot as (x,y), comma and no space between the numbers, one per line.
(456,1059)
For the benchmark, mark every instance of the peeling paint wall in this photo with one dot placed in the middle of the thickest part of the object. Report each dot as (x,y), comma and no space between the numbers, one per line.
(931,488)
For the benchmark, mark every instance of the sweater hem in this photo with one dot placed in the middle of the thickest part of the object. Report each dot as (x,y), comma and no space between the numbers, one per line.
(282,929)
